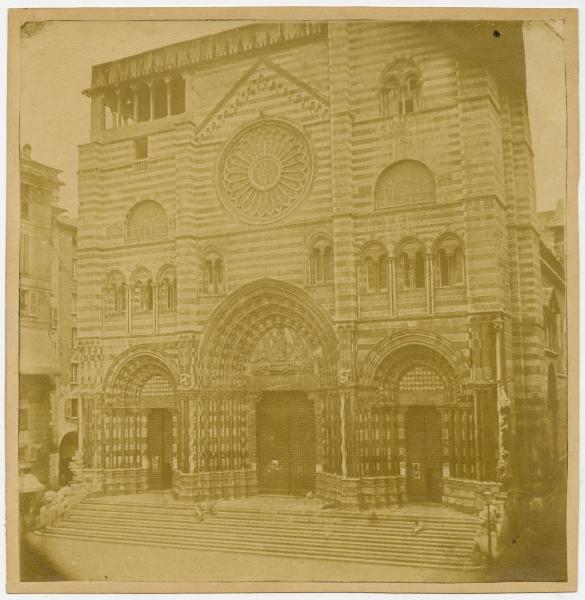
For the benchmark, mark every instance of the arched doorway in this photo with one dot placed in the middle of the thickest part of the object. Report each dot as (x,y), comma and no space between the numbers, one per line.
(160,449)
(423,454)
(276,347)
(140,421)
(432,432)
(67,450)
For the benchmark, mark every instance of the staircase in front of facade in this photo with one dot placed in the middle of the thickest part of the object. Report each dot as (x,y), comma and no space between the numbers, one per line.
(425,536)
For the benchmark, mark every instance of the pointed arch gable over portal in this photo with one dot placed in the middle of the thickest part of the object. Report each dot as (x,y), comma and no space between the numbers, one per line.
(248,315)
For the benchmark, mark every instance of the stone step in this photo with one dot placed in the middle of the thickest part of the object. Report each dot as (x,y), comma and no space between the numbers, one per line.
(316,523)
(286,530)
(171,509)
(271,548)
(373,537)
(415,544)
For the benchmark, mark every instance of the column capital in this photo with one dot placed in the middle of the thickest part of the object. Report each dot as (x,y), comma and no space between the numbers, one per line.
(498,324)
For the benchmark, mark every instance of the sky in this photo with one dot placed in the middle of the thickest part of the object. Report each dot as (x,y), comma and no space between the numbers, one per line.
(56,67)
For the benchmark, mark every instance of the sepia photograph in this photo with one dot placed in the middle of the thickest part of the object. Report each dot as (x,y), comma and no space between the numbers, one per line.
(288,300)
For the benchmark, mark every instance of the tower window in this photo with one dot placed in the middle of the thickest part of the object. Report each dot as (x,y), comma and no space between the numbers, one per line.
(449,262)
(411,266)
(321,262)
(400,90)
(374,265)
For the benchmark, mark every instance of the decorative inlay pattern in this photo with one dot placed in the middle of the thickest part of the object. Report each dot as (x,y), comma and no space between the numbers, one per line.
(265,171)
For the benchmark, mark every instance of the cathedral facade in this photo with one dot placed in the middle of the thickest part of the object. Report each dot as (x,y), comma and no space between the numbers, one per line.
(310,260)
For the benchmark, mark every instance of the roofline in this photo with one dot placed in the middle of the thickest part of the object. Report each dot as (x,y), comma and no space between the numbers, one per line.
(271,33)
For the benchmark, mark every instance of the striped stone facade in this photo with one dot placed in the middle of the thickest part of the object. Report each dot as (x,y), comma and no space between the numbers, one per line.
(340,209)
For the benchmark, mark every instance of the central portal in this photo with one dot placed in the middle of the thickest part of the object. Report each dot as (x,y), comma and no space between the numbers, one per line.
(285,429)
(423,454)
(160,449)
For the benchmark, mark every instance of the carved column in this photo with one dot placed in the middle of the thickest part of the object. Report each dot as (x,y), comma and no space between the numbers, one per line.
(318,412)
(347,351)
(498,326)
(169,97)
(448,441)
(118,119)
(128,291)
(357,288)
(104,302)
(474,395)
(430,283)
(401,410)
(134,103)
(155,305)
(251,400)
(342,412)
(392,285)
(151,99)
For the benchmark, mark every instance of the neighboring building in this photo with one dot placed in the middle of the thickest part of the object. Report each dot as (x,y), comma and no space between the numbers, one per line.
(309,259)
(47,320)
(553,261)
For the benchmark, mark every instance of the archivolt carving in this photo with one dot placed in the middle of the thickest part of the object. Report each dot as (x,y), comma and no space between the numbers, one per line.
(417,368)
(414,337)
(249,315)
(264,171)
(125,384)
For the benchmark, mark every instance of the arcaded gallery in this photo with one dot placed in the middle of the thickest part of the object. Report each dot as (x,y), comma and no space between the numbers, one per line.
(310,260)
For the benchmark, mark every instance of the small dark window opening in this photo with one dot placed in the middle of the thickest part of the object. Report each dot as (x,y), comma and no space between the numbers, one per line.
(141,148)
(23,420)
(159,91)
(177,88)
(73,408)
(143,97)
(419,270)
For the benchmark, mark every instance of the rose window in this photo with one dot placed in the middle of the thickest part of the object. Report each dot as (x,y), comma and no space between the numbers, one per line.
(265,171)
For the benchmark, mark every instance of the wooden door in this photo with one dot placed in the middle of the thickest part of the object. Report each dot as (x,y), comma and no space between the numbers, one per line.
(301,444)
(423,454)
(285,427)
(160,449)
(272,444)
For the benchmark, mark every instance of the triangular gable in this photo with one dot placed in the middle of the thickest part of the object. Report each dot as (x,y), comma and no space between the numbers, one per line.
(264,75)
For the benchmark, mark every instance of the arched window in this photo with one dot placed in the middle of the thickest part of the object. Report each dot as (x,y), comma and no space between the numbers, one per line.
(146,219)
(115,294)
(111,109)
(142,292)
(374,265)
(126,107)
(159,96)
(167,295)
(404,182)
(143,99)
(411,266)
(449,262)
(321,261)
(551,313)
(400,90)
(177,91)
(212,274)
